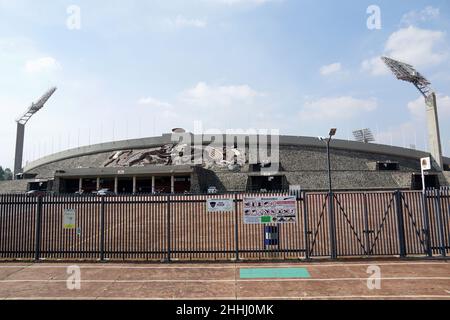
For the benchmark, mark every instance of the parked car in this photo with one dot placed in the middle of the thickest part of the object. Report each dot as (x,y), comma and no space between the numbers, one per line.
(212,190)
(105,192)
(36,193)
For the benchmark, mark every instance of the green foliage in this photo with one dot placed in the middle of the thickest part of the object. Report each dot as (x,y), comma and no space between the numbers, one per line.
(5,174)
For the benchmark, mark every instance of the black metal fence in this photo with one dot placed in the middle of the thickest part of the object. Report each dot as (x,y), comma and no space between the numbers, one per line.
(178,227)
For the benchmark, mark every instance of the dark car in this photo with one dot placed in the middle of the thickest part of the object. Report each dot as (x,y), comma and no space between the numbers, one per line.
(36,193)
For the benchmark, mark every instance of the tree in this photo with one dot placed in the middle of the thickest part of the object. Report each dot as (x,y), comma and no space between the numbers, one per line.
(8,175)
(5,174)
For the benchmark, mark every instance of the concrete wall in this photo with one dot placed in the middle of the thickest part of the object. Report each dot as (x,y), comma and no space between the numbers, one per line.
(284,141)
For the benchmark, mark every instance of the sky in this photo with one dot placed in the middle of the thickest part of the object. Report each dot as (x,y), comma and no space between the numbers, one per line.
(131,69)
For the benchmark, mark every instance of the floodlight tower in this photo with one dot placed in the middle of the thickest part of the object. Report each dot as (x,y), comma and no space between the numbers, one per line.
(21,122)
(406,72)
(364,135)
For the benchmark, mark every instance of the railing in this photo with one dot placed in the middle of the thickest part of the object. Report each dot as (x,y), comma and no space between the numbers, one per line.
(178,227)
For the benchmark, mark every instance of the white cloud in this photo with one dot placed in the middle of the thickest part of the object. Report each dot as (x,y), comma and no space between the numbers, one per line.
(154,103)
(427,14)
(417,107)
(374,66)
(336,108)
(419,47)
(210,95)
(182,22)
(416,46)
(330,69)
(414,130)
(44,64)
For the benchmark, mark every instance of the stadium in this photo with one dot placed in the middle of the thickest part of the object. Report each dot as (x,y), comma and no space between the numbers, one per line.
(155,165)
(237,163)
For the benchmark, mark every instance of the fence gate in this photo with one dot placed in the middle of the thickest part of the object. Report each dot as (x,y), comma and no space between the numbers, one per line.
(353,224)
(317,220)
(438,207)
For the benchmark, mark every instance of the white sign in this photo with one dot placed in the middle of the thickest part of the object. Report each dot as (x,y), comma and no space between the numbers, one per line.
(220,205)
(425,163)
(270,210)
(69,219)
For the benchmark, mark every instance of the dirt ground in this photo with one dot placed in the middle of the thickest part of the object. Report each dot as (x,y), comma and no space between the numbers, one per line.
(329,280)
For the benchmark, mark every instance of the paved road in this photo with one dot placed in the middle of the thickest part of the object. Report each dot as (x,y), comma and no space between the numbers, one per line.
(399,280)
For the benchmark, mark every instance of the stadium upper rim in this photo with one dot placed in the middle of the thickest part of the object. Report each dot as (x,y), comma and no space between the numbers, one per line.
(154,142)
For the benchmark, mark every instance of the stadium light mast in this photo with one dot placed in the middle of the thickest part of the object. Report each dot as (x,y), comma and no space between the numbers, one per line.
(408,73)
(21,122)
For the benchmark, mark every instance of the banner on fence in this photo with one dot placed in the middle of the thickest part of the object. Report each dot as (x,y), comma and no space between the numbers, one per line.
(270,210)
(69,219)
(220,205)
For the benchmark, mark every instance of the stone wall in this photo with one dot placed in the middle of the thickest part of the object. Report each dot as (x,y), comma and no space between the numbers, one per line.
(305,166)
(16,186)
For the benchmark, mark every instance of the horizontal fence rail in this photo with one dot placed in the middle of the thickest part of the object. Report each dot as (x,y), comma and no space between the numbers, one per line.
(180,228)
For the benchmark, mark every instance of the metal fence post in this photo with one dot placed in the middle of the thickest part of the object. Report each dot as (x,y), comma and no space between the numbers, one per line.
(439,219)
(366,227)
(400,224)
(38,229)
(426,219)
(168,230)
(102,229)
(236,226)
(306,227)
(332,227)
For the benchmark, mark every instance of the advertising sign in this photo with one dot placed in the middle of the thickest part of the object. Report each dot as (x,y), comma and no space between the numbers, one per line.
(69,219)
(220,205)
(270,210)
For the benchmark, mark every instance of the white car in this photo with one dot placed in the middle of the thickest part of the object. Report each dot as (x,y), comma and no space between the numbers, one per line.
(212,190)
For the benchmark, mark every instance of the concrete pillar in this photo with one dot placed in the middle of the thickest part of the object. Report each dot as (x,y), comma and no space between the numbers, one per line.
(116,185)
(172,184)
(153,184)
(80,185)
(19,149)
(434,135)
(98,183)
(134,185)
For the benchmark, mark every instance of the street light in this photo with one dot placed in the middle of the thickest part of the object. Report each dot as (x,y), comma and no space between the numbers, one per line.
(328,141)
(332,224)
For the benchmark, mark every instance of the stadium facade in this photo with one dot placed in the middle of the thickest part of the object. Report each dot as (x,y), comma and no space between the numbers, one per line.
(160,165)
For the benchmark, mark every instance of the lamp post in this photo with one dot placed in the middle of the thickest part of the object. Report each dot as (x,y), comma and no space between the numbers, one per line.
(332,224)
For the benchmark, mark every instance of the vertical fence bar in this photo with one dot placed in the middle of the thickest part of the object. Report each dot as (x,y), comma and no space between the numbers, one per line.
(426,219)
(400,224)
(168,229)
(236,226)
(366,226)
(306,228)
(439,220)
(332,226)
(102,229)
(37,243)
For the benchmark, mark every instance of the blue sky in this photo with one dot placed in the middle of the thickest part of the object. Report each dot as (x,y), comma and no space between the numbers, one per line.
(136,69)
